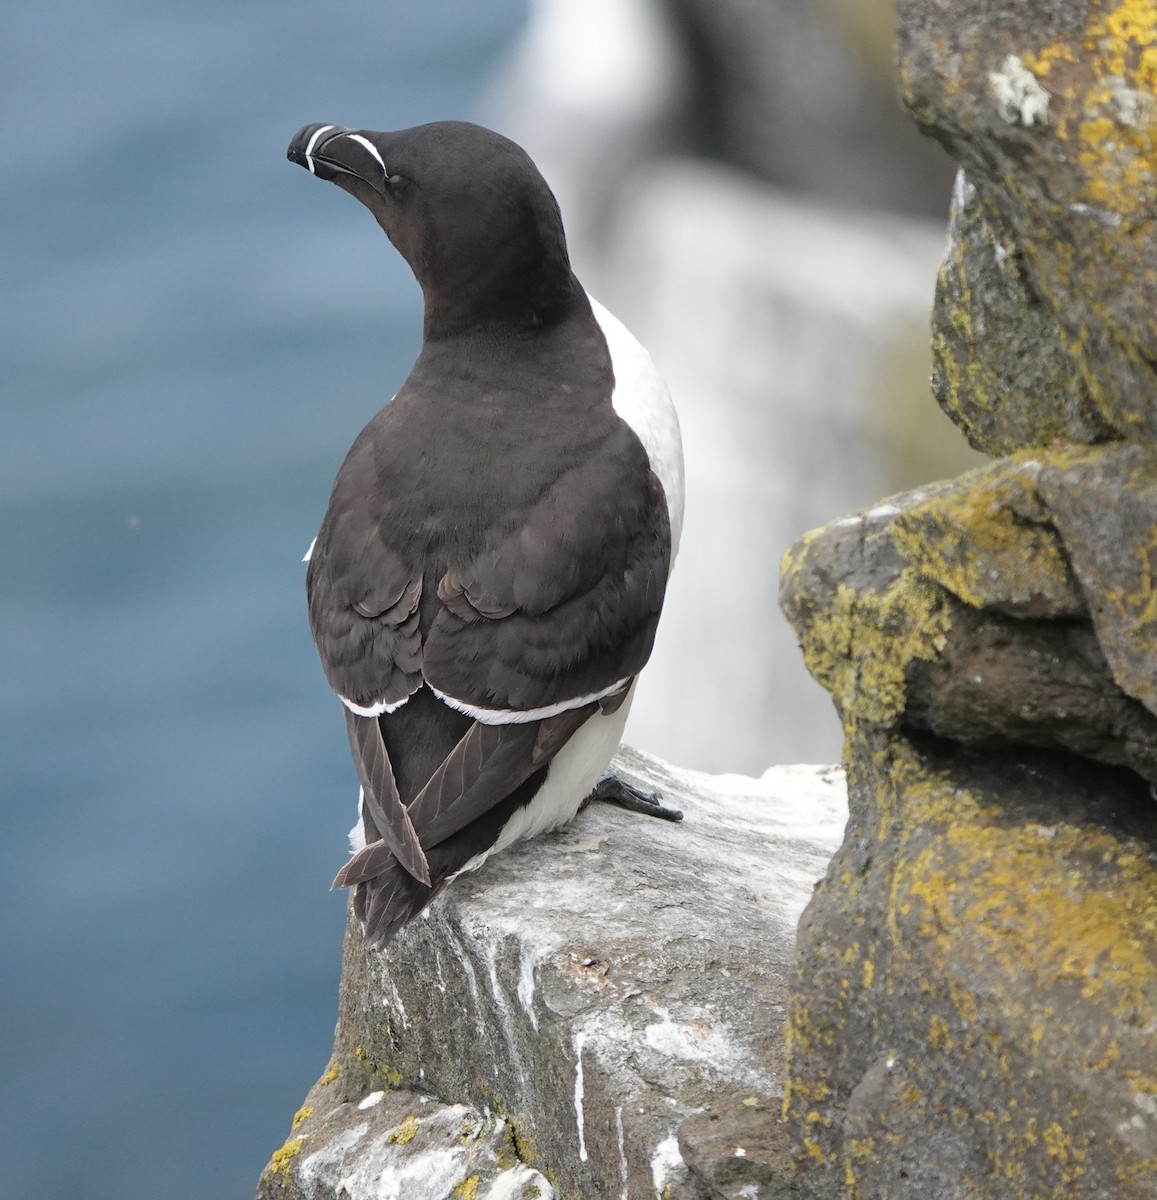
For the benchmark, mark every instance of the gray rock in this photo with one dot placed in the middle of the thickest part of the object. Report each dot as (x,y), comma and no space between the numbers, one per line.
(972,1013)
(954,609)
(1001,368)
(1104,504)
(1071,175)
(593,989)
(397,1145)
(979,958)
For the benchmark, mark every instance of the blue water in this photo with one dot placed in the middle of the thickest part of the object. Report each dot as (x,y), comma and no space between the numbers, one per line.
(191,332)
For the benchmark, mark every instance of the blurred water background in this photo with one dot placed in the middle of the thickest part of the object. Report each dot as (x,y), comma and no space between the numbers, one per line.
(192,332)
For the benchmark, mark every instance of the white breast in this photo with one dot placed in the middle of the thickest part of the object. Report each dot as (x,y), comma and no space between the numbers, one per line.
(641,398)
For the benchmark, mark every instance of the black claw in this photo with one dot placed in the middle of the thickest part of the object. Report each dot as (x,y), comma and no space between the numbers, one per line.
(613,790)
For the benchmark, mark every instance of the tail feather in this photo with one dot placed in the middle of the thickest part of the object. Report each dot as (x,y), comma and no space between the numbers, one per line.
(368,862)
(390,900)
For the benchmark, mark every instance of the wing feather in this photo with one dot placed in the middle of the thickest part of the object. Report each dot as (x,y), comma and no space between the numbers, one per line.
(381,795)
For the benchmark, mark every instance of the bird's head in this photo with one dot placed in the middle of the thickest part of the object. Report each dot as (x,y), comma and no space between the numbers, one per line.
(466,208)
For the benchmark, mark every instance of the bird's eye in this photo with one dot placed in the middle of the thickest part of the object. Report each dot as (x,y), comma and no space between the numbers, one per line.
(393,180)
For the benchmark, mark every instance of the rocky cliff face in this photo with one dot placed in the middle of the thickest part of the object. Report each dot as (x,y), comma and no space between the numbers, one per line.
(595,1013)
(974,1012)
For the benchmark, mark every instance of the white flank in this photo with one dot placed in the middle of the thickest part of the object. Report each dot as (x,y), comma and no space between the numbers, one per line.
(364,141)
(573,771)
(512,716)
(309,552)
(641,398)
(313,140)
(357,834)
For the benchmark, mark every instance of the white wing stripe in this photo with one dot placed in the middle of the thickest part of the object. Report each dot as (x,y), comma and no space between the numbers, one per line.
(511,716)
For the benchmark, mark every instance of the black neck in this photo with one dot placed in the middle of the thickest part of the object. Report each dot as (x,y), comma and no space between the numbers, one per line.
(517,298)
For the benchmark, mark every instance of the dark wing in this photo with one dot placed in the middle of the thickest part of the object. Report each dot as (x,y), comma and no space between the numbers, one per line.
(561,609)
(564,606)
(363,598)
(489,763)
(380,795)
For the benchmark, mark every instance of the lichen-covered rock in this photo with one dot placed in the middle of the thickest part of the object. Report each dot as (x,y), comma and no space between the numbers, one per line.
(1104,505)
(1001,369)
(974,1015)
(954,608)
(861,614)
(975,1006)
(1049,108)
(987,538)
(397,1145)
(595,989)
(977,982)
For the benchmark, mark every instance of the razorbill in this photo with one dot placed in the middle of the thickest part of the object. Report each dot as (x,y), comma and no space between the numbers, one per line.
(487,579)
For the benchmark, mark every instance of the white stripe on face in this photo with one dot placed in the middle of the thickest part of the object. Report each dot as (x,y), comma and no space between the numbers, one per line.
(313,140)
(364,141)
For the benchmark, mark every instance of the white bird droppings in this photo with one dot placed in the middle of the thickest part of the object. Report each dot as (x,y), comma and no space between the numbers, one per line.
(665,1162)
(579,1039)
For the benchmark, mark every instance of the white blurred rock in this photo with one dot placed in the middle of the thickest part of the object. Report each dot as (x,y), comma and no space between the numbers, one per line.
(794,339)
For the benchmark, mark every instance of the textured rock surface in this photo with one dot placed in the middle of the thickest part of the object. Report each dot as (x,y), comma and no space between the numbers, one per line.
(978,981)
(978,972)
(954,608)
(572,1005)
(1001,369)
(1049,109)
(396,1145)
(974,1013)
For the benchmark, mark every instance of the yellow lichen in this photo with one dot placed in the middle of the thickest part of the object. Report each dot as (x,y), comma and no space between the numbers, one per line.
(329,1076)
(282,1158)
(1007,919)
(302,1114)
(860,644)
(1033,911)
(1109,99)
(986,541)
(523,1144)
(939,1037)
(856,1150)
(467,1189)
(405,1131)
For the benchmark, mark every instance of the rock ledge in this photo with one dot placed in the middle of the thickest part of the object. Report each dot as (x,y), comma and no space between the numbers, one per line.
(596,1013)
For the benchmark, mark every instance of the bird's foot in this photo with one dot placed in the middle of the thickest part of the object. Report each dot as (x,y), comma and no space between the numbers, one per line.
(614,790)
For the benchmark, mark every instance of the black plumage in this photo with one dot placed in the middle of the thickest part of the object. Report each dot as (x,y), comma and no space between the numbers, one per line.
(496,540)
